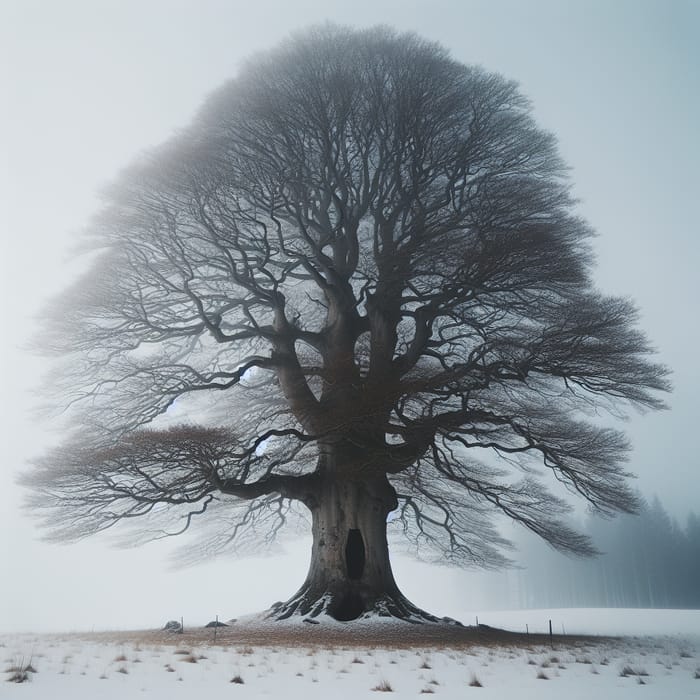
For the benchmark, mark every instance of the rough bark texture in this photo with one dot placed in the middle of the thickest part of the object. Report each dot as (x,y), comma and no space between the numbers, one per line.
(350,573)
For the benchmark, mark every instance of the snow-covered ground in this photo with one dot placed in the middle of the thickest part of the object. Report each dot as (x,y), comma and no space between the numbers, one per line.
(663,663)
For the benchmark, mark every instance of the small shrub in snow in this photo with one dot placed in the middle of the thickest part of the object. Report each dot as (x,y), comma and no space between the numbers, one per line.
(19,677)
(383,687)
(541,675)
(19,672)
(629,671)
(237,679)
(123,669)
(475,682)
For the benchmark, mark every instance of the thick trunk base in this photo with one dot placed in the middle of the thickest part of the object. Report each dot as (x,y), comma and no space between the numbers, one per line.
(350,575)
(350,605)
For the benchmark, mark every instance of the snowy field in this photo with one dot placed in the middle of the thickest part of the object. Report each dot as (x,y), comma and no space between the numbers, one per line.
(659,659)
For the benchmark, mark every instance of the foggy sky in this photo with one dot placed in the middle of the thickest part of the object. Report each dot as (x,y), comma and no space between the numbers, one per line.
(87,85)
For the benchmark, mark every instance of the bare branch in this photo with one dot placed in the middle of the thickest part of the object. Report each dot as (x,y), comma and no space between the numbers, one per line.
(359,266)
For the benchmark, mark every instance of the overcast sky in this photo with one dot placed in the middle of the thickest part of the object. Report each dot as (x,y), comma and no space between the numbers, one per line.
(85,85)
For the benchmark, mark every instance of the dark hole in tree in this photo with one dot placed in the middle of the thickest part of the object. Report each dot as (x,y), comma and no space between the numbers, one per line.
(350,607)
(355,555)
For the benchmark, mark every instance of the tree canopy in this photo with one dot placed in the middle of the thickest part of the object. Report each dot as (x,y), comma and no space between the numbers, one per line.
(362,259)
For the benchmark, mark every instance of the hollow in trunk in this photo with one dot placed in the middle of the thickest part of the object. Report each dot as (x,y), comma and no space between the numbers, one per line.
(350,574)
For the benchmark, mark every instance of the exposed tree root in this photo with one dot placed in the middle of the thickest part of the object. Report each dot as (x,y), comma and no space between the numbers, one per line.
(349,605)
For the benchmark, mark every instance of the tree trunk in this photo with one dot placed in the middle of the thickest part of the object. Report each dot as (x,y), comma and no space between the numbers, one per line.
(350,574)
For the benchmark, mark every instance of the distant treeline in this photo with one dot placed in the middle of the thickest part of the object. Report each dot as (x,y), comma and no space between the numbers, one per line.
(647,560)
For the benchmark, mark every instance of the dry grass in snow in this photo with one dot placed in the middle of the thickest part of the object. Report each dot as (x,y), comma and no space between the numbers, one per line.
(156,665)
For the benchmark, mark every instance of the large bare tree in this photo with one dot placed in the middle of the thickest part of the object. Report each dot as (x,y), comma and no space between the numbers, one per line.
(356,287)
